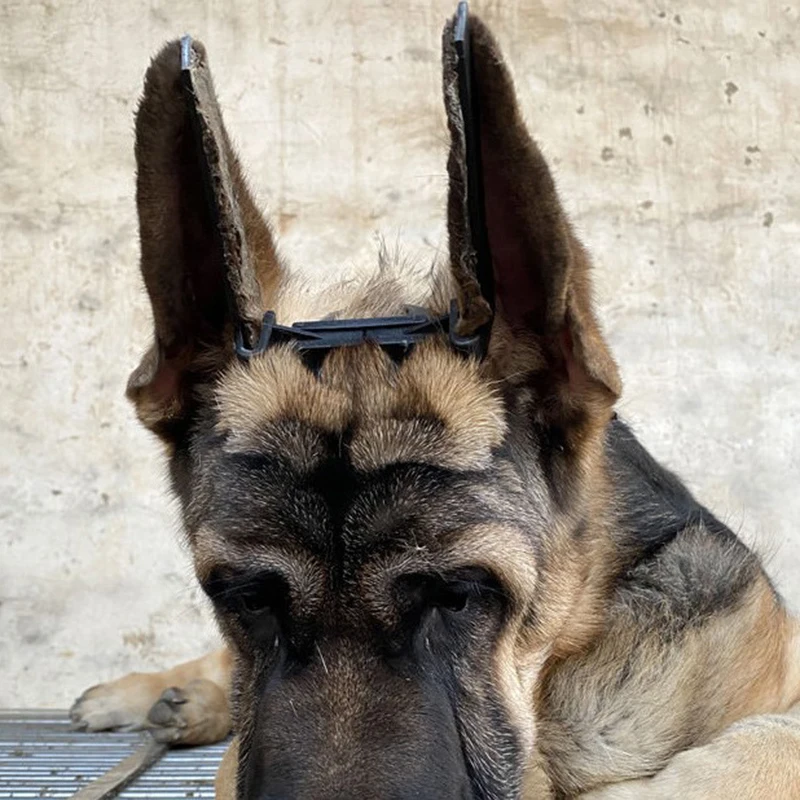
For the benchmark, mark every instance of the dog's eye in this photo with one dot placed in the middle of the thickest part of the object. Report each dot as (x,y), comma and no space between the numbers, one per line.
(249,596)
(452,593)
(452,597)
(254,601)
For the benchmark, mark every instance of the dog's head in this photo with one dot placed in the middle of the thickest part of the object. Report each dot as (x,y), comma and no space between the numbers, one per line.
(394,547)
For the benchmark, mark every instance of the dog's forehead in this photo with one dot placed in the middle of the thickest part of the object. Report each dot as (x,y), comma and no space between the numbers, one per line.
(373,454)
(261,498)
(435,407)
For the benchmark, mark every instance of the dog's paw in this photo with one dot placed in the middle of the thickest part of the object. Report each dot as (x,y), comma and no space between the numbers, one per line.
(195,714)
(118,705)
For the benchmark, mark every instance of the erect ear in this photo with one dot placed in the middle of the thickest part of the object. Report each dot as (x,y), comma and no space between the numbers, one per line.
(544,330)
(207,254)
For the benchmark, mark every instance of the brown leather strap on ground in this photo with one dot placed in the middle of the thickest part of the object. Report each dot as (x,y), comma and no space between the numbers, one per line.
(118,777)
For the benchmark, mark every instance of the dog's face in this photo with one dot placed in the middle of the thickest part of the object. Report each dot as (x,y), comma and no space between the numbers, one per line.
(393,548)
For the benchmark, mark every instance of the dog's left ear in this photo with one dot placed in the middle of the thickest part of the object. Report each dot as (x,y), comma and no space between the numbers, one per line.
(544,331)
(208,258)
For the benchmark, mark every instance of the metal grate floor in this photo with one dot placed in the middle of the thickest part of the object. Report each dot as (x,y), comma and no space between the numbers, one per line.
(40,757)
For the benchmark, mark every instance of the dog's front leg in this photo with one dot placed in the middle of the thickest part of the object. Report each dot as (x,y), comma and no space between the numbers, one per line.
(225,783)
(756,758)
(188,704)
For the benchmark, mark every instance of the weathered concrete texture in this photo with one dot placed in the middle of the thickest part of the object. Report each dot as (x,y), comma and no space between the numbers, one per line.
(674,132)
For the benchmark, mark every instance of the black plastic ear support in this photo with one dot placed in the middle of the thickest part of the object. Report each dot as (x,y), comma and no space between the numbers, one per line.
(470,113)
(396,335)
(187,82)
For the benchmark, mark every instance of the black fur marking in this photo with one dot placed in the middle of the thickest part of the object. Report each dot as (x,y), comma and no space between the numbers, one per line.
(682,564)
(654,504)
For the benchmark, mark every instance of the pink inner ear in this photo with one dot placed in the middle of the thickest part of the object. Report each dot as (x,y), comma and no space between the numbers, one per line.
(165,385)
(574,372)
(577,377)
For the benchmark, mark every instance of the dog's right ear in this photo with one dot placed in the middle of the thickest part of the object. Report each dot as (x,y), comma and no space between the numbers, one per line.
(207,255)
(545,335)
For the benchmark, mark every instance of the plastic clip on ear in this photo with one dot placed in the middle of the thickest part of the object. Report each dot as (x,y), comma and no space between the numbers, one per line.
(396,335)
(470,113)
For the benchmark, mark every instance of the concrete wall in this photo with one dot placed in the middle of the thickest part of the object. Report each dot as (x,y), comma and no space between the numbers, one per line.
(675,135)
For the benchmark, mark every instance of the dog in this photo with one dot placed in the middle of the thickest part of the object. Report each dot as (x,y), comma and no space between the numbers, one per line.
(443,566)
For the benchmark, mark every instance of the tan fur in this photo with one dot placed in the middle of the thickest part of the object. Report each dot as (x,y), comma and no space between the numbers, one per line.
(756,759)
(791,659)
(383,403)
(732,667)
(278,385)
(189,703)
(211,549)
(225,783)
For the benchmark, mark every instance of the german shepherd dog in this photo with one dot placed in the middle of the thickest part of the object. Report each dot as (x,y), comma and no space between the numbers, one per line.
(441,572)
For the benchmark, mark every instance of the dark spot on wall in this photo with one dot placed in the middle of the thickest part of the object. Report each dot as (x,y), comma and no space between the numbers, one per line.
(88,302)
(33,636)
(646,204)
(662,14)
(753,148)
(158,15)
(730,90)
(393,195)
(677,19)
(748,161)
(625,133)
(580,110)
(769,218)
(420,54)
(649,109)
(667,139)
(139,639)
(607,153)
(762,34)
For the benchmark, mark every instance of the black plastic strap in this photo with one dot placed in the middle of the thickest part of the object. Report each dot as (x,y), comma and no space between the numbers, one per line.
(470,112)
(196,124)
(395,334)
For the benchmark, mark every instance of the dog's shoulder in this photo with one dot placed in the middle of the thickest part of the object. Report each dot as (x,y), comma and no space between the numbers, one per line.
(694,632)
(678,558)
